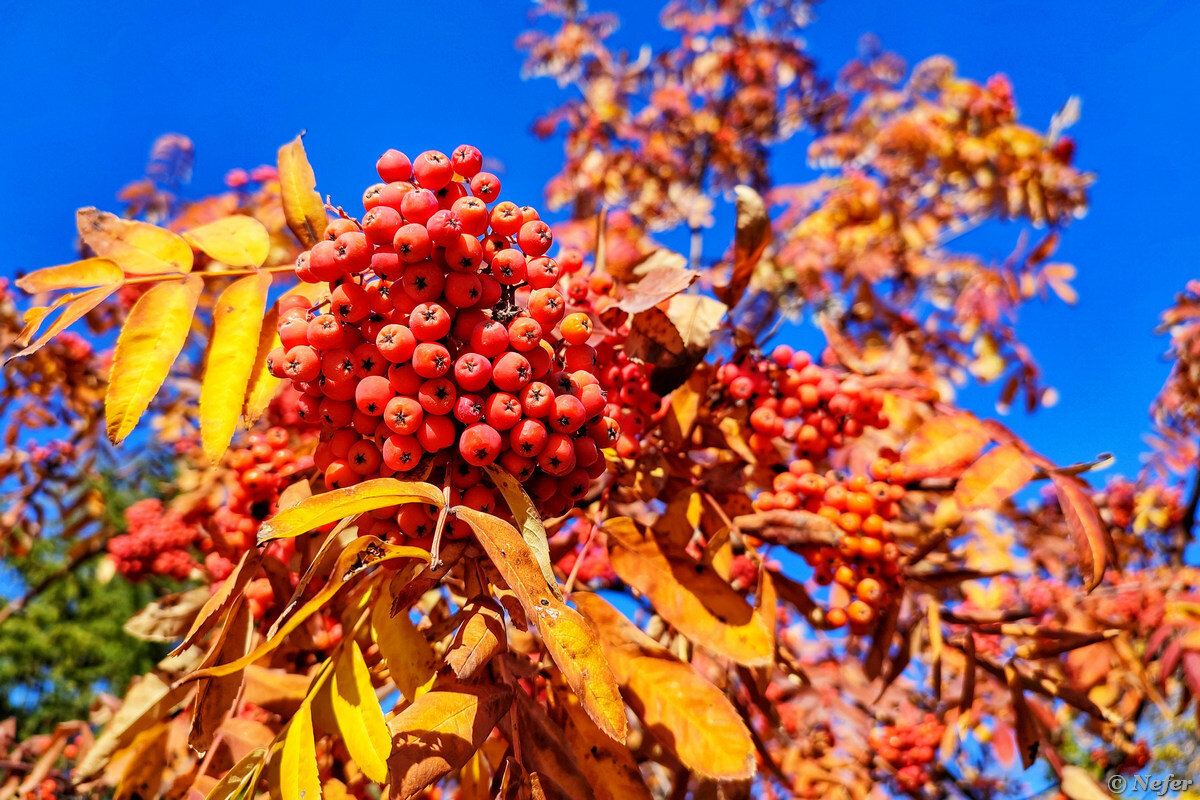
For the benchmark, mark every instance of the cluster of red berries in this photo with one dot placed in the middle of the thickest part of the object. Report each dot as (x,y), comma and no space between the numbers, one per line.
(813,407)
(155,543)
(866,562)
(1126,763)
(259,471)
(445,335)
(908,749)
(632,401)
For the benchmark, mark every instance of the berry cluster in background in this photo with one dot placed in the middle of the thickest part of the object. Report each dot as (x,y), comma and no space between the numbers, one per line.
(866,561)
(813,407)
(908,750)
(446,338)
(156,542)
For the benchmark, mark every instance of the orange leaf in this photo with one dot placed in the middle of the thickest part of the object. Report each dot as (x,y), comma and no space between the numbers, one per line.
(302,205)
(610,767)
(993,478)
(544,751)
(153,335)
(481,637)
(665,274)
(569,637)
(1090,534)
(232,350)
(139,248)
(77,275)
(943,445)
(689,595)
(689,715)
(440,732)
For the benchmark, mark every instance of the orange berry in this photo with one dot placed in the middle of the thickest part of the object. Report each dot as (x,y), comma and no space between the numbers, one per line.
(869,591)
(870,548)
(811,484)
(857,483)
(785,482)
(860,613)
(897,474)
(835,497)
(872,525)
(860,503)
(801,466)
(830,513)
(849,546)
(850,522)
(576,328)
(787,501)
(880,469)
(835,617)
(845,576)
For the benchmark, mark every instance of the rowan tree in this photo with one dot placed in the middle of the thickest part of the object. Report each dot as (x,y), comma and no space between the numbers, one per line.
(475,504)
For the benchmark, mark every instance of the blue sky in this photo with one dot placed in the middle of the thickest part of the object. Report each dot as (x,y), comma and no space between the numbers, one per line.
(86,95)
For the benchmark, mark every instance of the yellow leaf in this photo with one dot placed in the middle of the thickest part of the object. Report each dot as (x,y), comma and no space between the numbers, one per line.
(302,205)
(239,782)
(139,248)
(689,715)
(299,779)
(338,504)
(362,553)
(569,637)
(411,662)
(943,445)
(263,385)
(993,478)
(76,305)
(359,717)
(696,317)
(77,275)
(528,521)
(151,339)
(237,316)
(689,595)
(238,241)
(143,773)
(440,732)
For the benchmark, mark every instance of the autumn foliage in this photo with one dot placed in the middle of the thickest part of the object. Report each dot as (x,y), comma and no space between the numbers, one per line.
(461,502)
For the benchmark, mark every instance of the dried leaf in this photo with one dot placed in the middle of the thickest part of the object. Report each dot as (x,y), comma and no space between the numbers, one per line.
(1090,534)
(752,234)
(943,445)
(1078,784)
(696,317)
(76,275)
(411,662)
(146,703)
(529,522)
(299,779)
(215,698)
(139,248)
(143,773)
(239,241)
(479,639)
(338,504)
(543,750)
(151,339)
(689,715)
(569,638)
(302,205)
(229,589)
(1026,728)
(440,732)
(237,317)
(168,618)
(664,275)
(689,595)
(359,717)
(610,768)
(994,478)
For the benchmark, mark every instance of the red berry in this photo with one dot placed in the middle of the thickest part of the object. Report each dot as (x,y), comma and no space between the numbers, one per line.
(403,415)
(485,186)
(467,160)
(372,394)
(394,166)
(535,238)
(433,170)
(412,243)
(480,444)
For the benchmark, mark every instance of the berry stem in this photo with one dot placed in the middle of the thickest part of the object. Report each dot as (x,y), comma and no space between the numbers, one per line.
(587,545)
(435,560)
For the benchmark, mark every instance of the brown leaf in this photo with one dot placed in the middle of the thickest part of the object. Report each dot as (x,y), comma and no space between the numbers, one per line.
(478,640)
(664,275)
(691,717)
(696,317)
(1028,738)
(689,595)
(302,204)
(168,618)
(943,445)
(215,698)
(609,767)
(994,478)
(276,690)
(229,589)
(440,732)
(147,702)
(1092,539)
(751,237)
(568,637)
(543,750)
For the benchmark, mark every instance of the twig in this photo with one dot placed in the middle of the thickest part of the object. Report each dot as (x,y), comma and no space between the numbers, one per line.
(435,555)
(95,545)
(587,543)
